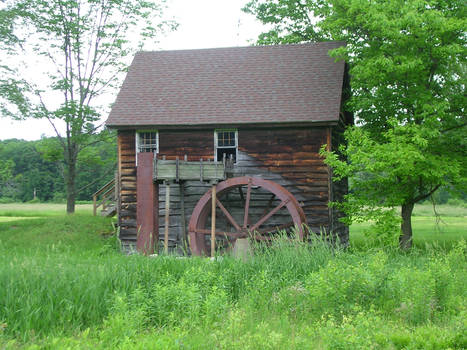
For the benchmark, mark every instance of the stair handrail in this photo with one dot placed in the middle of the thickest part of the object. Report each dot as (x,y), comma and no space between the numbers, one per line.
(104,191)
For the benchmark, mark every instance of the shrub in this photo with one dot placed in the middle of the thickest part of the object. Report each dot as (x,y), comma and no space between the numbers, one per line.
(6,200)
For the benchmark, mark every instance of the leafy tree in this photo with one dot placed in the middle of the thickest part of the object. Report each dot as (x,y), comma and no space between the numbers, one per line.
(408,67)
(6,171)
(31,173)
(86,44)
(37,166)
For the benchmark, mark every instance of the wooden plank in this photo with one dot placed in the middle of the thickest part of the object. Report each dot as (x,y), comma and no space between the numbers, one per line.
(182,215)
(187,170)
(213,220)
(145,212)
(167,218)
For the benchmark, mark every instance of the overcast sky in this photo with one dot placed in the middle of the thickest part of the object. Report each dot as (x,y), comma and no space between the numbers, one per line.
(202,24)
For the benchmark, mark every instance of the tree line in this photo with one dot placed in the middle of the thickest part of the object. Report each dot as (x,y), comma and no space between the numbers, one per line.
(33,170)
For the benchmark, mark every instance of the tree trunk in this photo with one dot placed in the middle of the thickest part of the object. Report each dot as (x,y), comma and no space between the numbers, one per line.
(405,239)
(70,181)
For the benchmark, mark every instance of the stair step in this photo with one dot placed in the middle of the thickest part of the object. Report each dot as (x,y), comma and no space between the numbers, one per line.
(111,210)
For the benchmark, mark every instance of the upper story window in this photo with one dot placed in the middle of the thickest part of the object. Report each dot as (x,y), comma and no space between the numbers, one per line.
(226,142)
(147,141)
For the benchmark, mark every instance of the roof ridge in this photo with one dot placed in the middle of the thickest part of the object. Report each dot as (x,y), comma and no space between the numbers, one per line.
(309,43)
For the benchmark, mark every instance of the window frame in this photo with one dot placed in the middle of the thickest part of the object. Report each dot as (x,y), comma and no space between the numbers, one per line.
(216,142)
(137,142)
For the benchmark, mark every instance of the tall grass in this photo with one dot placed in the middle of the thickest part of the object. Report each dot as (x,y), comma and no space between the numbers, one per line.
(65,285)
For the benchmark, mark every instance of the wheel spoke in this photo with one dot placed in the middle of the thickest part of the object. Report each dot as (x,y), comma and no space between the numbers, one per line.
(247,204)
(228,216)
(268,215)
(269,204)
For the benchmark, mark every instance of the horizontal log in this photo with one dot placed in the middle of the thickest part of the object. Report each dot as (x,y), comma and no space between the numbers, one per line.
(128,178)
(127,157)
(285,156)
(127,152)
(126,143)
(312,170)
(128,232)
(127,194)
(271,147)
(127,213)
(129,223)
(127,163)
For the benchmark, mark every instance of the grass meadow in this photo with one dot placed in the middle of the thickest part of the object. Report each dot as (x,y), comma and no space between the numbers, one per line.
(65,285)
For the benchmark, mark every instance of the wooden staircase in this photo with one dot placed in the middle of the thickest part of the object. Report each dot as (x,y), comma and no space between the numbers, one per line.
(106,199)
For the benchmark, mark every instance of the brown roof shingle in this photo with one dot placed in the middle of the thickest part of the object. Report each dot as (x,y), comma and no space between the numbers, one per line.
(238,85)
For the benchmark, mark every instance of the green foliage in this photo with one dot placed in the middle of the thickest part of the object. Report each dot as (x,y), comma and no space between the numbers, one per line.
(86,45)
(6,200)
(290,295)
(292,21)
(38,166)
(6,171)
(429,231)
(7,37)
(6,177)
(29,172)
(407,62)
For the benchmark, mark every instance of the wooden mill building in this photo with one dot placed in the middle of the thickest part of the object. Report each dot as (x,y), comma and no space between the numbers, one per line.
(267,109)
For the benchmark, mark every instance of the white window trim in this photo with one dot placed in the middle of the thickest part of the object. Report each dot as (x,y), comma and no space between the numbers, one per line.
(137,132)
(236,142)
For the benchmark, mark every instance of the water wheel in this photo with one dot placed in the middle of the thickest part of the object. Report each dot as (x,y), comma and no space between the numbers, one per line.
(246,207)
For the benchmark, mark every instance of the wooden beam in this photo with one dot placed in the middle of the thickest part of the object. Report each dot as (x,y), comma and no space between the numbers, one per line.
(167,217)
(183,220)
(145,208)
(213,220)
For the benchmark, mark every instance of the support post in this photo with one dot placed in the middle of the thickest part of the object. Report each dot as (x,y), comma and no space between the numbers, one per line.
(213,220)
(146,204)
(183,221)
(167,217)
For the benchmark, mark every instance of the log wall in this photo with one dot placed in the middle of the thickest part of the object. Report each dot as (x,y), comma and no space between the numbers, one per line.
(127,185)
(288,156)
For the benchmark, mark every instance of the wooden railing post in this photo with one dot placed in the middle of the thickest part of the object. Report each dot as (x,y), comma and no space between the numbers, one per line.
(107,189)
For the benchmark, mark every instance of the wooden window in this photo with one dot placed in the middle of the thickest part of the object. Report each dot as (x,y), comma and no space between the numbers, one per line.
(147,141)
(226,142)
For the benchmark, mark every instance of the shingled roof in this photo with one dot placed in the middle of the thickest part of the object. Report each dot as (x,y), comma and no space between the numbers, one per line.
(238,85)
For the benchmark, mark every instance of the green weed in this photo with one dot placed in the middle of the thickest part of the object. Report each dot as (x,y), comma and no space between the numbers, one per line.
(64,284)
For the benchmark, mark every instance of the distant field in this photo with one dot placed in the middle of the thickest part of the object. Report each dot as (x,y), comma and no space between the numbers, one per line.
(448,227)
(40,209)
(16,218)
(426,229)
(52,209)
(442,210)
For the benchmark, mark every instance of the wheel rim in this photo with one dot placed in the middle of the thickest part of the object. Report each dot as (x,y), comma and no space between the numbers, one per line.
(248,225)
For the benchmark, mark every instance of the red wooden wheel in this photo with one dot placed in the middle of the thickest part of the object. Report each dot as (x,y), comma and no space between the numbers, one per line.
(245,207)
